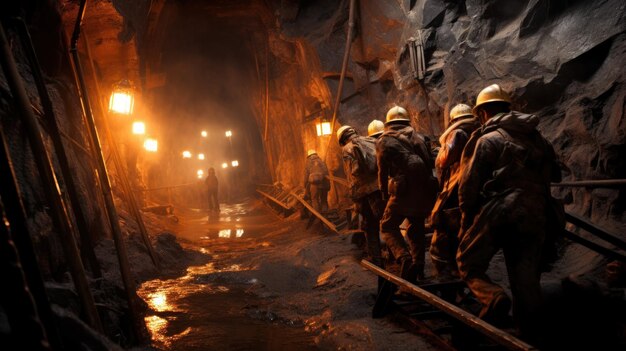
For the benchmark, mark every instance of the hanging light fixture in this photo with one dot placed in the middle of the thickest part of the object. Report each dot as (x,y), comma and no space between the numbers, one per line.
(229,133)
(323,127)
(186,154)
(224,165)
(200,156)
(234,163)
(151,145)
(139,128)
(204,133)
(200,173)
(122,98)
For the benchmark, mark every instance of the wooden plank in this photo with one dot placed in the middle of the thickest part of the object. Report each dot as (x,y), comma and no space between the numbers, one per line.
(330,225)
(601,233)
(275,200)
(499,336)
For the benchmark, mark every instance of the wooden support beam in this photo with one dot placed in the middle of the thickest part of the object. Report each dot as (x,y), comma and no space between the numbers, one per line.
(326,222)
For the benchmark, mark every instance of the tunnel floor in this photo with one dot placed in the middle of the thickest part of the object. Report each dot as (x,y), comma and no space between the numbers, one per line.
(269,284)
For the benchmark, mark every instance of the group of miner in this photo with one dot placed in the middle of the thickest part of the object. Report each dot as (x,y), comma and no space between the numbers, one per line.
(491,191)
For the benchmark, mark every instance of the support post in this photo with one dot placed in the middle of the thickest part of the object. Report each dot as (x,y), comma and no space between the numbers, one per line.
(122,255)
(51,188)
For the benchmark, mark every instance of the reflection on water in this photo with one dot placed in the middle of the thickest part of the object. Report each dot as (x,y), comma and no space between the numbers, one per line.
(208,309)
(224,233)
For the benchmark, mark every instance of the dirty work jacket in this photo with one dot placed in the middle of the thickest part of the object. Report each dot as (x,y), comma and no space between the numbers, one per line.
(507,156)
(359,165)
(452,142)
(404,170)
(315,172)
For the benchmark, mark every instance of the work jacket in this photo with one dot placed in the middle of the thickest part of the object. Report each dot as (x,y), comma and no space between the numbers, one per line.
(359,165)
(452,142)
(211,182)
(405,168)
(316,172)
(508,164)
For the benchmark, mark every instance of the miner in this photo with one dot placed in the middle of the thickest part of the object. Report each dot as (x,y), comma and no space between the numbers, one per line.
(316,183)
(405,179)
(359,164)
(375,129)
(504,197)
(446,216)
(211,183)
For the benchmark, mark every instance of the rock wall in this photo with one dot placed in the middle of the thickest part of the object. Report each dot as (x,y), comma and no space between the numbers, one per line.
(561,60)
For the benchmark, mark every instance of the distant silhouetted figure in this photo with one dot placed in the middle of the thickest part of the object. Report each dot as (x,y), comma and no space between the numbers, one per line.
(212,185)
(315,181)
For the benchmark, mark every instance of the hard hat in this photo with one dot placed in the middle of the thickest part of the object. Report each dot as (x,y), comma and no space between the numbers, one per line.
(492,93)
(310,152)
(375,128)
(460,110)
(397,114)
(344,131)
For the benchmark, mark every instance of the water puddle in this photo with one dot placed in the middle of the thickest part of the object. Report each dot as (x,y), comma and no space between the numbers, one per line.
(209,309)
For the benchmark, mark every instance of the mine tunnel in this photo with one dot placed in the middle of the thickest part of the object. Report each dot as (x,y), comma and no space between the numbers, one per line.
(312,175)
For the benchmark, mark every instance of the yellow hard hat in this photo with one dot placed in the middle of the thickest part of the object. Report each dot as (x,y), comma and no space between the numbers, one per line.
(375,128)
(343,130)
(492,93)
(310,152)
(460,110)
(397,114)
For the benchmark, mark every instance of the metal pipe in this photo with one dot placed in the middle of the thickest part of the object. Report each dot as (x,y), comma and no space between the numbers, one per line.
(54,131)
(51,188)
(594,247)
(10,194)
(605,183)
(117,160)
(595,230)
(122,255)
(344,68)
(501,337)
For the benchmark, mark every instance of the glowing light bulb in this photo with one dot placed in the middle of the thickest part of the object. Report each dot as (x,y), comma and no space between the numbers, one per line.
(204,133)
(234,163)
(186,154)
(200,156)
(200,173)
(151,145)
(224,165)
(229,133)
(139,128)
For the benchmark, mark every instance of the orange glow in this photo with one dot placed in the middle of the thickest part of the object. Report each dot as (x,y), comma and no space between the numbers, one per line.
(224,165)
(200,156)
(151,145)
(200,173)
(121,102)
(139,128)
(323,128)
(229,133)
(186,154)
(204,133)
(235,163)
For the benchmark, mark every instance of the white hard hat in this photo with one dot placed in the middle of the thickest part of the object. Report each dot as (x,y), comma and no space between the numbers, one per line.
(310,152)
(375,128)
(397,114)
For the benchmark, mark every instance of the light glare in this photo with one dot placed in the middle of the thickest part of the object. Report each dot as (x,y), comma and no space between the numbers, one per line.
(224,165)
(186,154)
(151,145)
(229,133)
(139,128)
(200,156)
(121,102)
(234,163)
(204,133)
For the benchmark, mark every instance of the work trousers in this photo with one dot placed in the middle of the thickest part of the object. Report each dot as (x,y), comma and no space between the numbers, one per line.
(445,242)
(319,197)
(516,224)
(390,231)
(214,205)
(371,208)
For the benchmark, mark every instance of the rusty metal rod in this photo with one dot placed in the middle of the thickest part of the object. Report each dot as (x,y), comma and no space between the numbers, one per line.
(51,188)
(344,68)
(594,247)
(601,233)
(117,160)
(87,245)
(603,183)
(10,194)
(501,337)
(122,255)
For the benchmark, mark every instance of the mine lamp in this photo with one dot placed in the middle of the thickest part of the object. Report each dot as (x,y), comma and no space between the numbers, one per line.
(234,163)
(122,98)
(200,173)
(323,127)
(204,133)
(139,128)
(186,154)
(151,145)
(200,156)
(229,133)
(224,165)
